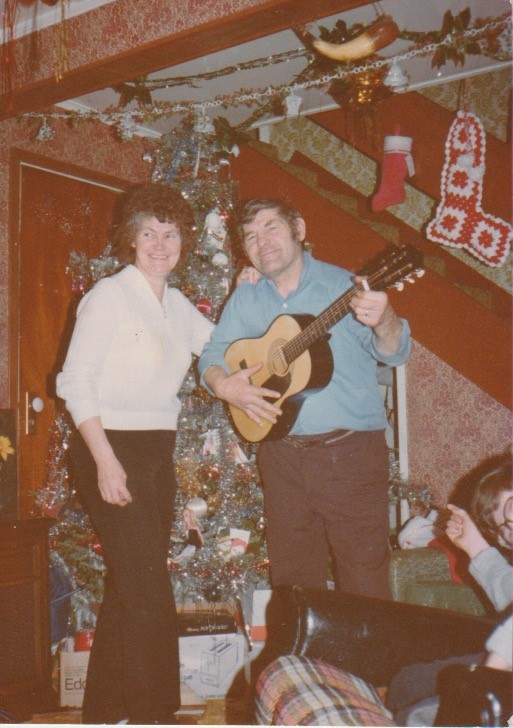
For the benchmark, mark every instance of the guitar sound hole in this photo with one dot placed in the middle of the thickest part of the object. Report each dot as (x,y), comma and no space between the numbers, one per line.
(276,362)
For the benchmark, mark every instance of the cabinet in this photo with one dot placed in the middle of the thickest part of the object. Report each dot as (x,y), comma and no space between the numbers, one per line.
(25,657)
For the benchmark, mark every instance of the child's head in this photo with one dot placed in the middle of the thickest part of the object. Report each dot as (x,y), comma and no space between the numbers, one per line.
(492,500)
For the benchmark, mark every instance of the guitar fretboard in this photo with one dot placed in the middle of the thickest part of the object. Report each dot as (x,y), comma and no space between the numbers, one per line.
(323,323)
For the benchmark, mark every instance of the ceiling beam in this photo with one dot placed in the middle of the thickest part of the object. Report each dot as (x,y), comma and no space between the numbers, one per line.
(230,30)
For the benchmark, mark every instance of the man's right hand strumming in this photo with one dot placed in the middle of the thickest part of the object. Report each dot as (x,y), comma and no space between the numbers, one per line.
(237,390)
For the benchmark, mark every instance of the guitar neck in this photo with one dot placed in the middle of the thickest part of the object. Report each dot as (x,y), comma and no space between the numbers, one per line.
(323,323)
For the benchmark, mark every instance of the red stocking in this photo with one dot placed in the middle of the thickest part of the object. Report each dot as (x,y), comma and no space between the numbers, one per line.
(397,164)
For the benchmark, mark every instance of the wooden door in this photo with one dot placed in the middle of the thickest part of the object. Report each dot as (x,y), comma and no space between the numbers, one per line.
(59,211)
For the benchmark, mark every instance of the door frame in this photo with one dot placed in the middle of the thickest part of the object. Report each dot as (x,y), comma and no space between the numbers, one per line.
(18,159)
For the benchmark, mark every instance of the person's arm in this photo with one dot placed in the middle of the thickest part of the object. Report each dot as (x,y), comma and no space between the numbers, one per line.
(95,327)
(248,274)
(500,646)
(111,475)
(237,390)
(464,533)
(488,567)
(78,382)
(200,328)
(372,309)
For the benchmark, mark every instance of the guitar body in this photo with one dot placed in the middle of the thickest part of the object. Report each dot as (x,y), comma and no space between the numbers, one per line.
(312,369)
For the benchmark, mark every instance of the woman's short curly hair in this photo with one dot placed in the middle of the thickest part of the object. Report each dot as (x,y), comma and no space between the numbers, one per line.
(153,199)
(491,479)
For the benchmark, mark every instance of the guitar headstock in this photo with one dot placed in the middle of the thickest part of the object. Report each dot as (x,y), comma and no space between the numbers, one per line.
(392,267)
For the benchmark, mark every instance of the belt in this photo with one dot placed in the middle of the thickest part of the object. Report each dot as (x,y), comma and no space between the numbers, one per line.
(327,438)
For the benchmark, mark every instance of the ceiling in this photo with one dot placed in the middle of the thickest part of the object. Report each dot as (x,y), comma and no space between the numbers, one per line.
(418,15)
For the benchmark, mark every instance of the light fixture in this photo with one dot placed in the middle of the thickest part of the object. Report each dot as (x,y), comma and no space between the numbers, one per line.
(396,78)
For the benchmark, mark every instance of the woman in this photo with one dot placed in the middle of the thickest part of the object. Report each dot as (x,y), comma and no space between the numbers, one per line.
(131,348)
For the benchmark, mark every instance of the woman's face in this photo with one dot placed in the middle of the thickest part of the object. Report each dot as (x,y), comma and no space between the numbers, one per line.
(503,516)
(157,248)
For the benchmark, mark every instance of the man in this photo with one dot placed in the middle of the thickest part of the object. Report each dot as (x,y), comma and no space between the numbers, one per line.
(326,483)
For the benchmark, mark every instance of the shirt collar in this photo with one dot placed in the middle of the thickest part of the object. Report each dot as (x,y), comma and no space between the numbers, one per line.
(135,275)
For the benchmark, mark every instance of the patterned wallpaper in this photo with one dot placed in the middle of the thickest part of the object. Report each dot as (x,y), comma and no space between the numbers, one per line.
(452,424)
(90,145)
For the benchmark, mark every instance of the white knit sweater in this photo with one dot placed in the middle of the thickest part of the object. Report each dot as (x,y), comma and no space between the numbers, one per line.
(129,354)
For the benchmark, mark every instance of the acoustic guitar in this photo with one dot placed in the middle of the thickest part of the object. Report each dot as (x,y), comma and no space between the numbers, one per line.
(295,352)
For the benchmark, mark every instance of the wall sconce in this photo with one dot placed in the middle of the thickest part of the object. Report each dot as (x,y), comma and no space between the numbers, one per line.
(396,79)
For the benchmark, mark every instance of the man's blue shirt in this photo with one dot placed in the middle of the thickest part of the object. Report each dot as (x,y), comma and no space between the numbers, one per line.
(352,399)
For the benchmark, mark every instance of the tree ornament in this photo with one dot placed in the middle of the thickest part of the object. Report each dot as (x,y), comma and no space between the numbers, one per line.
(198,507)
(220,259)
(459,221)
(204,305)
(97,547)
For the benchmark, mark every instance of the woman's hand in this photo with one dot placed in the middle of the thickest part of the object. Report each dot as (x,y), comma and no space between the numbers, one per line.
(111,474)
(112,482)
(249,274)
(464,533)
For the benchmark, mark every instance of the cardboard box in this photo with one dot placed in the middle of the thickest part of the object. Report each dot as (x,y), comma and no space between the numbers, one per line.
(73,672)
(210,663)
(254,605)
(73,666)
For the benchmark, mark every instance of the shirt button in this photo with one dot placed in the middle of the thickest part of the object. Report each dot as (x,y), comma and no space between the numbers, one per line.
(285,305)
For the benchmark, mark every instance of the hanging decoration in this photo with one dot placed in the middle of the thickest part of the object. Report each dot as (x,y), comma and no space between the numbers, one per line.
(396,79)
(380,34)
(483,37)
(459,221)
(60,51)
(7,57)
(363,91)
(397,164)
(7,50)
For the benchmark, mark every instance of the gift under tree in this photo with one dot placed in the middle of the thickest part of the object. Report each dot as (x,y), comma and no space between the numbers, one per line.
(217,545)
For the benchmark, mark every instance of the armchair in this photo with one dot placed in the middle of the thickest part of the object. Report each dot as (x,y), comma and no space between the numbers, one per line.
(423,576)
(372,639)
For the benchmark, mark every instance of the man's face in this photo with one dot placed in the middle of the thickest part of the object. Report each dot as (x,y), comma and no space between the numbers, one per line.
(272,247)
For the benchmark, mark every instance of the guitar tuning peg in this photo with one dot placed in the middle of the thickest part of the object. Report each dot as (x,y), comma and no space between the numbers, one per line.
(420,272)
(410,279)
(399,286)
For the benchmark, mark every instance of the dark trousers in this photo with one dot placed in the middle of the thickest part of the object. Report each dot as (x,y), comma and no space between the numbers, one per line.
(328,499)
(134,668)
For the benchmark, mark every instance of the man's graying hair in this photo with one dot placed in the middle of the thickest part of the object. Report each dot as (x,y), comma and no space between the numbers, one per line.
(247,210)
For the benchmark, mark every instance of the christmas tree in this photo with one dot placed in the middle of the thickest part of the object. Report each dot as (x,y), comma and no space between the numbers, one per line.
(217,544)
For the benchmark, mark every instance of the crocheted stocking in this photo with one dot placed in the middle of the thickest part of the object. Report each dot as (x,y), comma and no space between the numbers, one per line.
(397,164)
(460,221)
